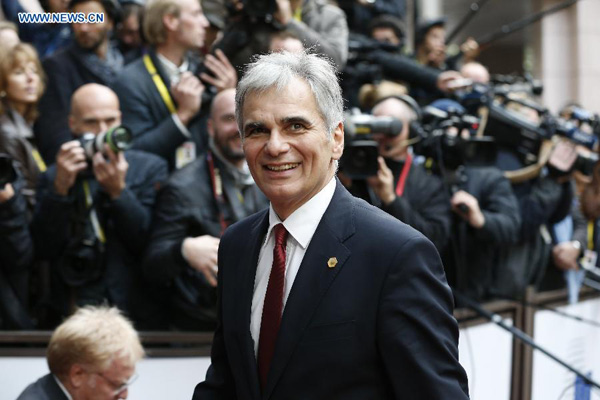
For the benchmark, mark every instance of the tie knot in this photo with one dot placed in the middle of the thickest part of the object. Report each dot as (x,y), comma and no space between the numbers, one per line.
(280,235)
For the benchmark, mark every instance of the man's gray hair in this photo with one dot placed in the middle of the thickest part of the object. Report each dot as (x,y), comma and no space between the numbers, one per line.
(277,70)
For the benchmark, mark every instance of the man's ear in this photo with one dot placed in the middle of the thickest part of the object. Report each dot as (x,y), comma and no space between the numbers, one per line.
(170,22)
(77,375)
(338,141)
(210,128)
(71,123)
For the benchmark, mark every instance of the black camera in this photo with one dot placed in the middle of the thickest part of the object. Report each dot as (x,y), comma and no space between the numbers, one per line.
(359,160)
(440,138)
(118,139)
(7,171)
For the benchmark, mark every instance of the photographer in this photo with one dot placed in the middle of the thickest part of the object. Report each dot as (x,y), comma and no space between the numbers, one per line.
(94,210)
(543,201)
(192,211)
(161,93)
(16,249)
(402,187)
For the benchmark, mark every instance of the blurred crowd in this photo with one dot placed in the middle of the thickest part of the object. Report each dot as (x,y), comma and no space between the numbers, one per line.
(121,164)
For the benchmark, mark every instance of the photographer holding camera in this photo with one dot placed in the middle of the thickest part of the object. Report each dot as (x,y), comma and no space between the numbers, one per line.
(161,94)
(402,187)
(94,208)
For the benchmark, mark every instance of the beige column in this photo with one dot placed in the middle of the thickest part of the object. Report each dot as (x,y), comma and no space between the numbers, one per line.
(567,53)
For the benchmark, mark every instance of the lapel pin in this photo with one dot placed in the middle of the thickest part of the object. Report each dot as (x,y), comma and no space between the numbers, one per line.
(332,262)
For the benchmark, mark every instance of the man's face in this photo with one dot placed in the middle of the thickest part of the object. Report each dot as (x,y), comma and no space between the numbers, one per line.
(393,147)
(95,115)
(435,45)
(223,127)
(385,35)
(91,36)
(129,32)
(287,147)
(109,384)
(191,25)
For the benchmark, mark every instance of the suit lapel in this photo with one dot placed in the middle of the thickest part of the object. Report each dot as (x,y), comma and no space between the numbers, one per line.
(244,305)
(313,280)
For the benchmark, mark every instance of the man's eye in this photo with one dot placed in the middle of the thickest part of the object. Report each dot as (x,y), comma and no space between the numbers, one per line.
(297,126)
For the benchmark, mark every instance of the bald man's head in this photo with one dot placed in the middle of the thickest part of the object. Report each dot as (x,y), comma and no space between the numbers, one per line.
(475,72)
(394,147)
(95,109)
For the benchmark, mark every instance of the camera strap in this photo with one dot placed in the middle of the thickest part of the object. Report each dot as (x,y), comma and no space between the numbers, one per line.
(403,175)
(89,202)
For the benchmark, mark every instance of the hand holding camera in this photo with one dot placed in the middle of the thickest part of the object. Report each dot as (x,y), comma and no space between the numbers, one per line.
(70,161)
(467,206)
(110,175)
(225,75)
(383,183)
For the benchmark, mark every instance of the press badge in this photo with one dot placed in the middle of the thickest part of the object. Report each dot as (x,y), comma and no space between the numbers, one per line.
(185,154)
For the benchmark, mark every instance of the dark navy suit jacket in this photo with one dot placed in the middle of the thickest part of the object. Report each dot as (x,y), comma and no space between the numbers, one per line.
(44,388)
(378,325)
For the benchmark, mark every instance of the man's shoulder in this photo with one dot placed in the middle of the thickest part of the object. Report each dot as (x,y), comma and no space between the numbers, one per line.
(44,388)
(139,160)
(133,74)
(379,228)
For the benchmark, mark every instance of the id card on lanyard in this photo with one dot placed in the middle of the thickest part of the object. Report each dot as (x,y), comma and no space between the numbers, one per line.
(186,153)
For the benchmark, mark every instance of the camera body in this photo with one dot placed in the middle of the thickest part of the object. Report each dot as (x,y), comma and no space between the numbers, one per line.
(439,138)
(359,160)
(8,174)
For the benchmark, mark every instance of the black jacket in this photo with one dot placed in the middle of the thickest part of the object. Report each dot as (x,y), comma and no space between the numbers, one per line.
(424,204)
(187,207)
(16,259)
(479,249)
(113,274)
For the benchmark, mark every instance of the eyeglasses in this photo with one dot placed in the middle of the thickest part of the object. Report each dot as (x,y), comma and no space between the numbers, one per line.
(119,387)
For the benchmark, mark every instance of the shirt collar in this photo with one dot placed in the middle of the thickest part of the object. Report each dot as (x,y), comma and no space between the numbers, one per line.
(303,222)
(62,387)
(173,71)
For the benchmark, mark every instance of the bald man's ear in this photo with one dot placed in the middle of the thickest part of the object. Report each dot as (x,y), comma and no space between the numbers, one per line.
(210,128)
(71,123)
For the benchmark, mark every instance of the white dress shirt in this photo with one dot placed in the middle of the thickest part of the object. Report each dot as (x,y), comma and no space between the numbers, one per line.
(301,226)
(174,74)
(62,387)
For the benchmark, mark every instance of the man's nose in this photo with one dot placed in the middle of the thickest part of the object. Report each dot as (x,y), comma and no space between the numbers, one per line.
(277,144)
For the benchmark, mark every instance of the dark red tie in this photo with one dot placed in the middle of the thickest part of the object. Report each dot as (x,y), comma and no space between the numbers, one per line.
(273,307)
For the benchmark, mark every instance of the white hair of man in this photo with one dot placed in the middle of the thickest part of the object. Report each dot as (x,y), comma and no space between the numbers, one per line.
(277,70)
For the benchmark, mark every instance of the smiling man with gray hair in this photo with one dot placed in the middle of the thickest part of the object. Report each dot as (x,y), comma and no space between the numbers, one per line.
(322,296)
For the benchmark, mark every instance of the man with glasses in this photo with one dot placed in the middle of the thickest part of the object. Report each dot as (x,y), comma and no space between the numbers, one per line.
(92,355)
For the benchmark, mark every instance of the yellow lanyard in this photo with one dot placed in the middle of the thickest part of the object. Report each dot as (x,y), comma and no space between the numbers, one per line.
(160,85)
(590,235)
(298,14)
(38,160)
(89,202)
